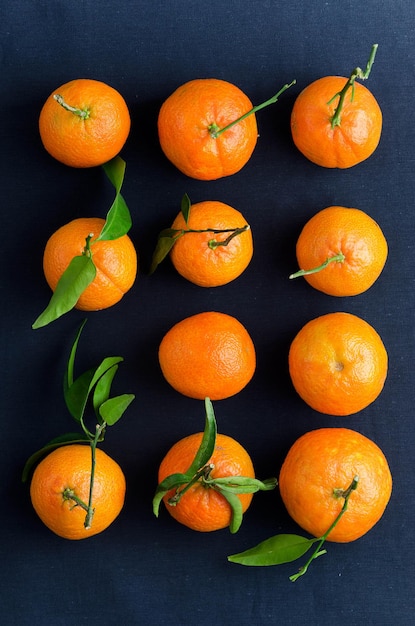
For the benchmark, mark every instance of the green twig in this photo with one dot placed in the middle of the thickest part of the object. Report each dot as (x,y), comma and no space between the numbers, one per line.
(318,551)
(339,258)
(215,131)
(357,73)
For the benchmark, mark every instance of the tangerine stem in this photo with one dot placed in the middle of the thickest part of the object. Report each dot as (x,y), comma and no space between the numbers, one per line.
(90,509)
(69,494)
(214,244)
(214,131)
(203,473)
(340,258)
(83,113)
(357,73)
(318,551)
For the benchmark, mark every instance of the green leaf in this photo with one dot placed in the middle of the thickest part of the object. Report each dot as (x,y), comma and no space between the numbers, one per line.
(76,396)
(165,243)
(274,551)
(118,221)
(207,445)
(237,511)
(243,484)
(113,409)
(69,438)
(103,388)
(78,275)
(170,482)
(185,208)
(69,374)
(115,170)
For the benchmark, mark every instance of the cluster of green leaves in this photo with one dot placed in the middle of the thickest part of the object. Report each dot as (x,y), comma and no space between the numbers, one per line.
(81,271)
(199,471)
(168,236)
(93,385)
(285,548)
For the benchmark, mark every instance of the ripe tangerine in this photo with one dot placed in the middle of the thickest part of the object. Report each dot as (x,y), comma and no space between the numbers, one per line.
(320,466)
(115,261)
(189,120)
(66,473)
(338,363)
(202,508)
(84,123)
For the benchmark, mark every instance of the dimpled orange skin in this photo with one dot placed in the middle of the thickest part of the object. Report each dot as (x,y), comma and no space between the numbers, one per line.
(343,146)
(351,232)
(90,142)
(205,266)
(209,354)
(204,509)
(183,127)
(327,459)
(70,467)
(338,364)
(116,262)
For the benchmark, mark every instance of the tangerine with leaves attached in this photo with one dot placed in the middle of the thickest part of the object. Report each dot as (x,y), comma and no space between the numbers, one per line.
(115,261)
(318,469)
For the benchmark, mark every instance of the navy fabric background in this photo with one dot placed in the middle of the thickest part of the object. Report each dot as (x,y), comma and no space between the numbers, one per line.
(144,570)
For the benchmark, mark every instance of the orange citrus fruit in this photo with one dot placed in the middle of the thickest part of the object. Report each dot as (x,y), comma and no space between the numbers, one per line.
(203,508)
(210,259)
(350,246)
(338,363)
(189,119)
(319,466)
(208,354)
(115,261)
(84,123)
(64,475)
(344,145)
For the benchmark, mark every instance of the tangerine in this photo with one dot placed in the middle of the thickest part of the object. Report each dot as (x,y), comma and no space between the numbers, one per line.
(317,471)
(115,261)
(190,119)
(336,122)
(62,480)
(342,250)
(338,364)
(84,123)
(218,254)
(209,354)
(203,508)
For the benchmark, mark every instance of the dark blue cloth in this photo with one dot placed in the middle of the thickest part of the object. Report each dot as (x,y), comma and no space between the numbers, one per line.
(144,570)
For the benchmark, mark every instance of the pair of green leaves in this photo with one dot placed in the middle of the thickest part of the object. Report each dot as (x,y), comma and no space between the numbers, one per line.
(286,548)
(95,385)
(200,469)
(81,271)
